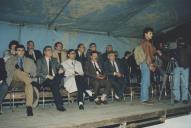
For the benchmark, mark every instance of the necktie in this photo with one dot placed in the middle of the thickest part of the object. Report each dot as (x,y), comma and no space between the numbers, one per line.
(50,68)
(97,70)
(21,64)
(113,64)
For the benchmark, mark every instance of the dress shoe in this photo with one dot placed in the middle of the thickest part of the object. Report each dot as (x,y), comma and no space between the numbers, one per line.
(61,109)
(176,101)
(104,102)
(185,102)
(29,111)
(97,102)
(81,107)
(148,102)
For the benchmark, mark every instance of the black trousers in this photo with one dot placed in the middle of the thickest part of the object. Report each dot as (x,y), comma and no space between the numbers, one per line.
(54,86)
(81,86)
(98,84)
(118,85)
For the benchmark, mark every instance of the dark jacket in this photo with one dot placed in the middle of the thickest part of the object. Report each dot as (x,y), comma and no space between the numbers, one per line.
(3,73)
(81,58)
(37,53)
(109,69)
(182,56)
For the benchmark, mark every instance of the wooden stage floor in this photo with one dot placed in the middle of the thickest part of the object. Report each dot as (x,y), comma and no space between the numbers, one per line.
(110,115)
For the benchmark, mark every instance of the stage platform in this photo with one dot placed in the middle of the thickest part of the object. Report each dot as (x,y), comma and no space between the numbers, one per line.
(114,114)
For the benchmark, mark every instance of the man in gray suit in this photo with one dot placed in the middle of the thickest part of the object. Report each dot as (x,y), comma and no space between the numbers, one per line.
(20,69)
(97,77)
(51,73)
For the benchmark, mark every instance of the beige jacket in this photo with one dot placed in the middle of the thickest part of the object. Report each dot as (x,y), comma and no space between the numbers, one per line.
(63,56)
(28,65)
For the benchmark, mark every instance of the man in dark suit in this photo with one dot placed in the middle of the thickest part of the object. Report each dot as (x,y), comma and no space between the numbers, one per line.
(3,85)
(51,74)
(115,72)
(31,52)
(97,78)
(80,54)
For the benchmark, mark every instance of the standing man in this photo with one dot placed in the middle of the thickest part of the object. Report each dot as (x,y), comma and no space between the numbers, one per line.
(144,56)
(51,73)
(31,52)
(181,71)
(20,69)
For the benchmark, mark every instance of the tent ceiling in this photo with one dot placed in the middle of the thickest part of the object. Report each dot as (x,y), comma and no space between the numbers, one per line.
(115,17)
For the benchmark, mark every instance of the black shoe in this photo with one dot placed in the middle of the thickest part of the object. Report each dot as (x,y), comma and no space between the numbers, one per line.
(148,102)
(29,111)
(98,102)
(81,107)
(185,102)
(104,102)
(176,101)
(61,109)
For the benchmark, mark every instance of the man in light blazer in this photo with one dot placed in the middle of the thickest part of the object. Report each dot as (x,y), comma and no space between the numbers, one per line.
(51,73)
(20,69)
(59,53)
(97,78)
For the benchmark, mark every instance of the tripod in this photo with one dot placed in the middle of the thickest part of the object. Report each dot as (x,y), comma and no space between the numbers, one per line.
(169,72)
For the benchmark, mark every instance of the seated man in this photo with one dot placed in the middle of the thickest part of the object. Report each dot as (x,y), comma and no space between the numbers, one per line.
(3,85)
(74,77)
(59,52)
(80,54)
(19,69)
(108,49)
(11,51)
(115,72)
(98,79)
(51,74)
(31,52)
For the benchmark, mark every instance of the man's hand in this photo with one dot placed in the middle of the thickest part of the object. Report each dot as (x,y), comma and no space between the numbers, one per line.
(50,77)
(100,77)
(60,71)
(117,74)
(1,81)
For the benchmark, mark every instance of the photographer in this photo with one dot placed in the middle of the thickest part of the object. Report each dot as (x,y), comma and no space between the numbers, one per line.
(181,71)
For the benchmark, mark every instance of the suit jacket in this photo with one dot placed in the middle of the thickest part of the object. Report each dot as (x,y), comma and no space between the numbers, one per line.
(37,53)
(90,70)
(3,73)
(42,68)
(81,59)
(70,69)
(109,69)
(63,56)
(28,65)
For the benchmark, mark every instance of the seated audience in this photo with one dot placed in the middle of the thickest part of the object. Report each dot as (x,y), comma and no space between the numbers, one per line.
(19,69)
(51,73)
(3,84)
(31,52)
(74,77)
(11,51)
(98,80)
(115,72)
(59,53)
